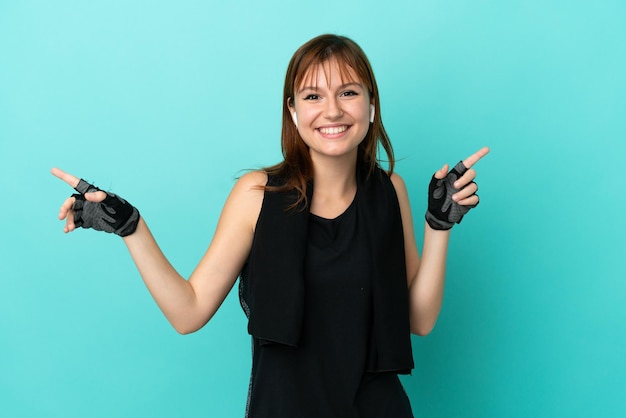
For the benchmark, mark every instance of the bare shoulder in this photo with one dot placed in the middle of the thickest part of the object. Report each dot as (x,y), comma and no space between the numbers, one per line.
(250,188)
(246,198)
(252,181)
(403,196)
(399,185)
(410,246)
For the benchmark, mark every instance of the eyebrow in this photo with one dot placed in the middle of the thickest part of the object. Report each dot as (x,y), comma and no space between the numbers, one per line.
(343,86)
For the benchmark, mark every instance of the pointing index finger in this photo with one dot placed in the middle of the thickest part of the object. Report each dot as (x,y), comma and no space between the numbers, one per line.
(66,177)
(474,158)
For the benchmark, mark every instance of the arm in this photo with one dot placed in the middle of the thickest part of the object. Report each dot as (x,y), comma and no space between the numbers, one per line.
(189,304)
(426,276)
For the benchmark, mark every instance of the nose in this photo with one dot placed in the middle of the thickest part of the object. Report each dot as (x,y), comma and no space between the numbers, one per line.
(332,110)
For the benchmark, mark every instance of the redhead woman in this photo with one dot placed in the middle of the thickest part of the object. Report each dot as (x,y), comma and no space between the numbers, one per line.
(323,244)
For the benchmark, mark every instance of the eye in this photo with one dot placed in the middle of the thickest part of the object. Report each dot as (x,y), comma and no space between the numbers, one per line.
(349,93)
(311,97)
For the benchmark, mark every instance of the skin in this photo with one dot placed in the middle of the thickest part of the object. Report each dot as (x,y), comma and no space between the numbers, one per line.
(325,104)
(333,118)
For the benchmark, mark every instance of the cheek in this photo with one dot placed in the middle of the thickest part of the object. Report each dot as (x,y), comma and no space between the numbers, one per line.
(361,110)
(364,113)
(305,113)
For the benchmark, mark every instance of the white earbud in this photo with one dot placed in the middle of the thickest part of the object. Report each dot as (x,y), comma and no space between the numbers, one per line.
(372,112)
(295,118)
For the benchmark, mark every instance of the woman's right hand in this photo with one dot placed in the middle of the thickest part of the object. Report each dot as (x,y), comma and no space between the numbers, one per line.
(187,304)
(94,208)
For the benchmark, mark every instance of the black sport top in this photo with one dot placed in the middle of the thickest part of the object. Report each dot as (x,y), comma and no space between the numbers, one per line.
(325,375)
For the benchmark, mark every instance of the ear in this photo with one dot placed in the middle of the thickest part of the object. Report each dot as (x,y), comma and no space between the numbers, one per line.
(295,118)
(372,113)
(291,106)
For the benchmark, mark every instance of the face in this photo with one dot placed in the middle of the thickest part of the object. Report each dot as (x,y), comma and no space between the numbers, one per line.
(332,113)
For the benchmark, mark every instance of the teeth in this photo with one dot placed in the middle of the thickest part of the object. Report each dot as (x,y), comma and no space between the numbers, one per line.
(334,130)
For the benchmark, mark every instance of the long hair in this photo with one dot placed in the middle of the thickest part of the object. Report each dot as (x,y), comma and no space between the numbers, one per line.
(297,167)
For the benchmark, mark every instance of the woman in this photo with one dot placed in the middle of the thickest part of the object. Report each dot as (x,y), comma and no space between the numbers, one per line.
(331,278)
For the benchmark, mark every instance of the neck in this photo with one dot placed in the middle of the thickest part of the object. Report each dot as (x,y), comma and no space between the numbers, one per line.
(334,186)
(335,173)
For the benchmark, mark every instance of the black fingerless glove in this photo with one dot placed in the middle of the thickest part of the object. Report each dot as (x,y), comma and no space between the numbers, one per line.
(443,212)
(113,214)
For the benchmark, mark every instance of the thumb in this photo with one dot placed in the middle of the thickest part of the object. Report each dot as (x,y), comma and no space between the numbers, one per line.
(98,196)
(442,172)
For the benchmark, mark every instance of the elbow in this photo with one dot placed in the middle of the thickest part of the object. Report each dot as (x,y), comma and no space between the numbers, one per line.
(185,331)
(422,332)
(422,329)
(186,328)
(187,322)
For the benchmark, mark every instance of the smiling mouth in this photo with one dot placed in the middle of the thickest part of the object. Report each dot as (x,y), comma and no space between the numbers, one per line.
(333,130)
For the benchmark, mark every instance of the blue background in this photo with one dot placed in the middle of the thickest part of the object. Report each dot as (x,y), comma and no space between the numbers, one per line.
(165,102)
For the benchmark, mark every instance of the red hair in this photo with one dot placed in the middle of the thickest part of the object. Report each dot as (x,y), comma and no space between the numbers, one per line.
(297,167)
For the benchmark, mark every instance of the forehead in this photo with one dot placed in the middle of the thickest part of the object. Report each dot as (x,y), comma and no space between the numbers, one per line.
(329,71)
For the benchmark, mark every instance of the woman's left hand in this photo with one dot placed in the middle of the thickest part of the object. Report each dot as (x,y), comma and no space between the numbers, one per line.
(452,194)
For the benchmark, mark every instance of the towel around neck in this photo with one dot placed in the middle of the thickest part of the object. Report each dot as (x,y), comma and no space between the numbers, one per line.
(272,282)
